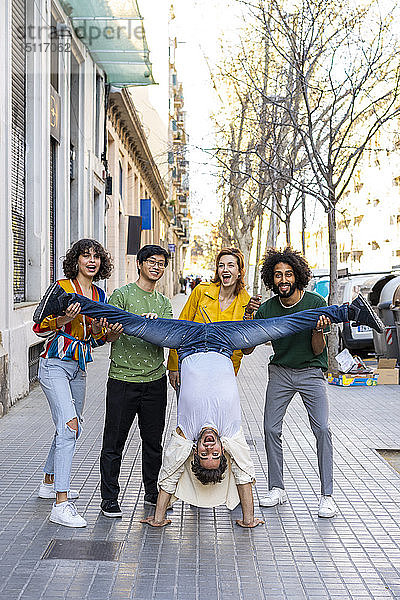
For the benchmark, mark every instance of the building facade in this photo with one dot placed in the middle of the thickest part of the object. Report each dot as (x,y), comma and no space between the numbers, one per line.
(52,110)
(368,216)
(138,191)
(59,125)
(177,160)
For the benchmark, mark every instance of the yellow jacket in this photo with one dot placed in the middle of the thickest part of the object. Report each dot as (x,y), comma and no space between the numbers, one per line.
(203,306)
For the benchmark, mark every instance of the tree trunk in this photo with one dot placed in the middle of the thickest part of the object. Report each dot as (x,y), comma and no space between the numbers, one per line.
(303,222)
(287,226)
(273,229)
(256,277)
(244,241)
(333,343)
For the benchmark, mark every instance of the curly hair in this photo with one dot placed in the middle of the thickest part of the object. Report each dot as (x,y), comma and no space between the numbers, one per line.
(206,476)
(70,262)
(301,269)
(240,261)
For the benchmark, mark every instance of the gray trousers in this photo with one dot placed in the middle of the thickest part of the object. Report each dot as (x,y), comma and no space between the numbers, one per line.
(283,383)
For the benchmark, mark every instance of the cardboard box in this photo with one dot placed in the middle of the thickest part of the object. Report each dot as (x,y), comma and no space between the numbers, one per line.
(387,372)
(346,380)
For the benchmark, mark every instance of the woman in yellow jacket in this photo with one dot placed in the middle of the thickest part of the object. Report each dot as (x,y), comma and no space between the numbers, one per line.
(224,299)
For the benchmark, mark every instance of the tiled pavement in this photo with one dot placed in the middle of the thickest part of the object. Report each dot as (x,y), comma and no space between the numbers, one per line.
(203,553)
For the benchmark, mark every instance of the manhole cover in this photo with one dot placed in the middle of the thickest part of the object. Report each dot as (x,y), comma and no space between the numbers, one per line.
(392,456)
(83,550)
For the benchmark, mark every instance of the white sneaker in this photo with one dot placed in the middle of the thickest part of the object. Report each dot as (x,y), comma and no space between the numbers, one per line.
(46,490)
(65,513)
(327,507)
(274,497)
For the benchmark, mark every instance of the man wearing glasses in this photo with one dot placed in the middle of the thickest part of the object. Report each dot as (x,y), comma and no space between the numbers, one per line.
(136,385)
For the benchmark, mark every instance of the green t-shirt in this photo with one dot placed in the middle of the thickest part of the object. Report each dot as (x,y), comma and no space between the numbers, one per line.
(294,351)
(133,359)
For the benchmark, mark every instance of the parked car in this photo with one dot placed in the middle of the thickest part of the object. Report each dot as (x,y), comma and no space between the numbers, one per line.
(359,337)
(319,283)
(356,338)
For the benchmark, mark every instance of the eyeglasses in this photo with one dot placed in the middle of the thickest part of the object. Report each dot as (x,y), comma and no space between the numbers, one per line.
(153,263)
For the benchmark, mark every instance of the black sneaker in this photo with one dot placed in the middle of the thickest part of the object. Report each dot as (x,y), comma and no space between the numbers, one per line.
(361,312)
(54,302)
(151,500)
(110,508)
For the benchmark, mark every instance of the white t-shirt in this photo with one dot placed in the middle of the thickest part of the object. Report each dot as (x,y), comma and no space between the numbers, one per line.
(208,396)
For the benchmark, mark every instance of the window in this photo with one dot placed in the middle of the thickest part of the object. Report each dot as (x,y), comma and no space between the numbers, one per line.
(53,204)
(54,57)
(356,255)
(97,125)
(121,174)
(18,79)
(96,215)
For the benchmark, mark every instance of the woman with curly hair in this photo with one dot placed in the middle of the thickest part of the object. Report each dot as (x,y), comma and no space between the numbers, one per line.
(62,371)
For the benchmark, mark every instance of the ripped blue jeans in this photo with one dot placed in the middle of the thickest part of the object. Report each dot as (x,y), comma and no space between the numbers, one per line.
(64,385)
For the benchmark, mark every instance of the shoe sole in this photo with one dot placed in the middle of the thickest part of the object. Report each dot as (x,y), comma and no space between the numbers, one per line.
(37,315)
(371,313)
(66,524)
(327,516)
(53,497)
(111,515)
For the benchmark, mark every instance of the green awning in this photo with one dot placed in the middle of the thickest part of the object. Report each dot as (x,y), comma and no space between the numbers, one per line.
(114,34)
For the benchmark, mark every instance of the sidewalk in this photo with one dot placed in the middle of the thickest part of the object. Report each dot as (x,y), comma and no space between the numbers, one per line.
(294,556)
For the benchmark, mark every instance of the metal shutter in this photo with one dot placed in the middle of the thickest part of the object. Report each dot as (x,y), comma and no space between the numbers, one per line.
(18,149)
(53,196)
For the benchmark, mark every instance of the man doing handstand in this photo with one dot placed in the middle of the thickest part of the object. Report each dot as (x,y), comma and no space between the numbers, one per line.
(207,462)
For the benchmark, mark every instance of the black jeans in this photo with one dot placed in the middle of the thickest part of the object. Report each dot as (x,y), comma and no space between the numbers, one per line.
(124,401)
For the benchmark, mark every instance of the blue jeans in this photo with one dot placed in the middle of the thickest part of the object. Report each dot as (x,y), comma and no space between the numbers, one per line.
(64,385)
(188,337)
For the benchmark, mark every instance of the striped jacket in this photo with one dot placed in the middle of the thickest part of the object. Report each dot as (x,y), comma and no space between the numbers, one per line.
(75,340)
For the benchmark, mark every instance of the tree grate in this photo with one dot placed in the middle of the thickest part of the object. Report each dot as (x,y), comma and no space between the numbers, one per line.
(392,456)
(83,550)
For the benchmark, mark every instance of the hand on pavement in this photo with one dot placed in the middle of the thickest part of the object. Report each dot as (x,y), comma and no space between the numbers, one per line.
(150,521)
(251,525)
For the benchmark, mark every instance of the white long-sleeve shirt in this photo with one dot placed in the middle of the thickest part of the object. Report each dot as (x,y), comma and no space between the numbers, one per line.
(208,396)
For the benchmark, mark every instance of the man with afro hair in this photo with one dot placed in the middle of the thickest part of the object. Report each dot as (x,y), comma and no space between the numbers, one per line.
(297,365)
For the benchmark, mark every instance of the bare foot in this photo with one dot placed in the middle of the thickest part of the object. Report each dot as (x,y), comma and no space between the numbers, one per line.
(153,523)
(254,523)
